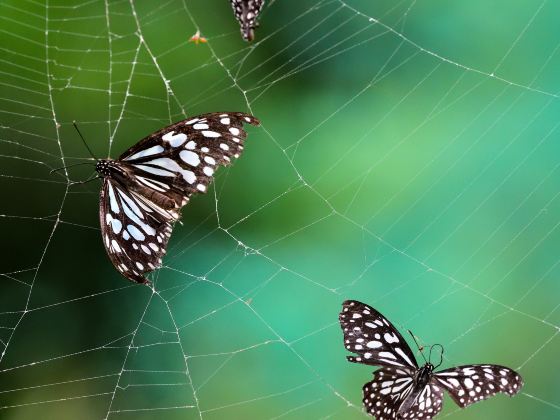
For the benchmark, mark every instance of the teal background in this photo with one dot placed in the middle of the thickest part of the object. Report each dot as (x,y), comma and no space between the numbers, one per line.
(408,157)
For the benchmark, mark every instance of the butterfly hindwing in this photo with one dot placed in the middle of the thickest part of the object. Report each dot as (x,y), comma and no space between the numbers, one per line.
(472,383)
(370,335)
(425,403)
(247,12)
(387,391)
(135,231)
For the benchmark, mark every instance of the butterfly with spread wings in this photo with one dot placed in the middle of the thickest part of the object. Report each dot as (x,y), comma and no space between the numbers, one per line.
(401,389)
(145,188)
(247,12)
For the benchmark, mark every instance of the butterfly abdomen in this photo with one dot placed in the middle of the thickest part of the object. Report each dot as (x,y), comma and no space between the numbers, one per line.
(247,13)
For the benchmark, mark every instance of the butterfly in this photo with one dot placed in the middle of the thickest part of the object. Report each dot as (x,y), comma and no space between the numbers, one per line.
(246,13)
(401,389)
(144,189)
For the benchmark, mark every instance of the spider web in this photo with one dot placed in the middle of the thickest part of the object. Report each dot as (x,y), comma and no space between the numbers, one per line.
(408,157)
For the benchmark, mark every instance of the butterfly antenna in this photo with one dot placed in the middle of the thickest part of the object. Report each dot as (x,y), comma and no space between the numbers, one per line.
(84,140)
(70,166)
(417,345)
(91,178)
(440,356)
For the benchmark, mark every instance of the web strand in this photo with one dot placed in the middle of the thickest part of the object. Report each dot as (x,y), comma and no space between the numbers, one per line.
(118,64)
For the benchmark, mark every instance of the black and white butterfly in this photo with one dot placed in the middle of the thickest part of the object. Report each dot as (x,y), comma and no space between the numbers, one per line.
(401,389)
(247,13)
(145,188)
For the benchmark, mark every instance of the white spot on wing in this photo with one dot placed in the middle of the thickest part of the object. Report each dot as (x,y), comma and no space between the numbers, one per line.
(116,225)
(135,232)
(189,157)
(173,167)
(113,200)
(210,134)
(174,140)
(115,245)
(152,183)
(374,344)
(404,356)
(154,150)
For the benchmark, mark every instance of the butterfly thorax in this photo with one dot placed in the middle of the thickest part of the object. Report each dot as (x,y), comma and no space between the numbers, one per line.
(423,375)
(108,167)
(421,379)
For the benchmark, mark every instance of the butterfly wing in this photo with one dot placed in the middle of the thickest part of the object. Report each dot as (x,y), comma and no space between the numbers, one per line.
(472,383)
(373,338)
(182,157)
(135,230)
(387,391)
(151,181)
(423,403)
(246,12)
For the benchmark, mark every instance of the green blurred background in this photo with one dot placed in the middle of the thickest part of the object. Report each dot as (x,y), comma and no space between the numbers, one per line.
(408,157)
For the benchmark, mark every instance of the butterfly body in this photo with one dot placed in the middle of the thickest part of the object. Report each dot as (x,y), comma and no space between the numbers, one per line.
(421,380)
(246,12)
(144,189)
(400,389)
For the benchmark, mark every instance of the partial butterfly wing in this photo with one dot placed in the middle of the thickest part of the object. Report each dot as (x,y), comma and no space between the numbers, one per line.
(135,230)
(152,180)
(426,404)
(472,383)
(387,391)
(246,13)
(376,341)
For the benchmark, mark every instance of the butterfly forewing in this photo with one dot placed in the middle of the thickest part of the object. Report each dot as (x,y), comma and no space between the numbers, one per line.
(185,155)
(146,186)
(370,335)
(247,12)
(472,383)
